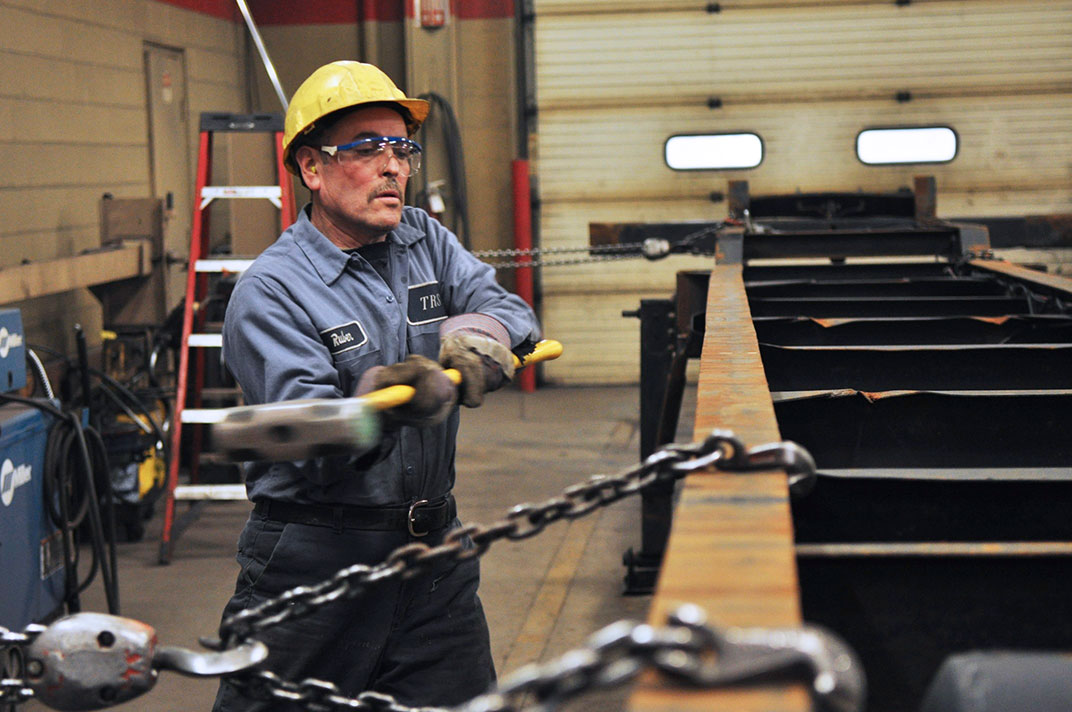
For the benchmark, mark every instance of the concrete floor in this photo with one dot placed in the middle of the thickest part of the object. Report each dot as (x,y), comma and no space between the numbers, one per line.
(543,595)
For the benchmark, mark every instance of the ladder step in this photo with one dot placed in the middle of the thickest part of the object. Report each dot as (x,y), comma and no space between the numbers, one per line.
(210,341)
(224,265)
(204,416)
(272,193)
(234,492)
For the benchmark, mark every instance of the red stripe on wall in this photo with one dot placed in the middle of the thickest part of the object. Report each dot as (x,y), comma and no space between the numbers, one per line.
(482,9)
(340,12)
(224,9)
(320,12)
(472,9)
(383,10)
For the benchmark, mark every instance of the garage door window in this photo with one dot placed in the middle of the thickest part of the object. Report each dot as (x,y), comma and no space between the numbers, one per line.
(713,152)
(919,144)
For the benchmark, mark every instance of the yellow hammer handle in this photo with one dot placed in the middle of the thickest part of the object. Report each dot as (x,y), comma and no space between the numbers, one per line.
(393,396)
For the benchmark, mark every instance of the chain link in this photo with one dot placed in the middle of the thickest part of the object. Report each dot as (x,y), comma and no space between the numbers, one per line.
(650,248)
(672,462)
(15,690)
(610,657)
(686,649)
(521,522)
(597,253)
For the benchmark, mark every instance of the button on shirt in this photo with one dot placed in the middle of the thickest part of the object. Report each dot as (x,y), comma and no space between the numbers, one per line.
(307,319)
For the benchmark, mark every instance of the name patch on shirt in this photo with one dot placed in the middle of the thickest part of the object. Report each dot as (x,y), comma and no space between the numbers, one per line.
(344,337)
(425,304)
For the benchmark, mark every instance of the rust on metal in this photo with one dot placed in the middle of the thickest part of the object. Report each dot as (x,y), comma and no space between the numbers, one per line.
(731,545)
(926,192)
(605,234)
(1042,279)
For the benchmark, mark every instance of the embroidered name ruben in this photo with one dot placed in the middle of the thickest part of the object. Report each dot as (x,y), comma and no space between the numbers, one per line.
(344,337)
(425,304)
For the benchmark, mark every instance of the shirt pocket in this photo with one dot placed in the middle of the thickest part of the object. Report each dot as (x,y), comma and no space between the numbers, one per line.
(352,351)
(426,310)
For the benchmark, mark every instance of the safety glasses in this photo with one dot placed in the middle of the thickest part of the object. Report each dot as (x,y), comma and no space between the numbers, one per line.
(377,151)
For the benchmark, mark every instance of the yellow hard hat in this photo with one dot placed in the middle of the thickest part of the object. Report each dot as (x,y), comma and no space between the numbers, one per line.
(341,85)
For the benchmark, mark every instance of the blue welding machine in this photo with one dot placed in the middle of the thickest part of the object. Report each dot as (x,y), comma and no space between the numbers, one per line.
(31,546)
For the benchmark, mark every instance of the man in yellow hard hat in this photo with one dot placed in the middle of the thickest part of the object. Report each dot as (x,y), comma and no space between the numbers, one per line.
(360,293)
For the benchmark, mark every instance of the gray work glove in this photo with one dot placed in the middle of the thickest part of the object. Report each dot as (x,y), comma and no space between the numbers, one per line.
(433,400)
(479,347)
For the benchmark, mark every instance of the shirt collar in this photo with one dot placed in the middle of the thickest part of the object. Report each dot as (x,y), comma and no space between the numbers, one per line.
(326,257)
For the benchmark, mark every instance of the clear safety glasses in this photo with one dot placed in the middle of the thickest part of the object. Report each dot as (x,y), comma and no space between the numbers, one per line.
(374,151)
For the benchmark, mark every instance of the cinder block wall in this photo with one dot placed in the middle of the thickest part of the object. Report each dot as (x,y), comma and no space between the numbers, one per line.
(74,124)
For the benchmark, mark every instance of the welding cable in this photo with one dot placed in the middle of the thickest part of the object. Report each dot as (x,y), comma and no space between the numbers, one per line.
(452,141)
(68,451)
(42,375)
(122,391)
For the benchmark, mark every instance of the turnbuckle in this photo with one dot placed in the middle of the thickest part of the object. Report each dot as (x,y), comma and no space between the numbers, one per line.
(90,661)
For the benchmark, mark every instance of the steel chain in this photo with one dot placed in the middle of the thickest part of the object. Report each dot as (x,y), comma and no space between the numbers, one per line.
(521,522)
(612,656)
(685,649)
(721,449)
(597,253)
(651,248)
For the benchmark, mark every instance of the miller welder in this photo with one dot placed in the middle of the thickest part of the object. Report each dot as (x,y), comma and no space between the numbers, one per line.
(32,587)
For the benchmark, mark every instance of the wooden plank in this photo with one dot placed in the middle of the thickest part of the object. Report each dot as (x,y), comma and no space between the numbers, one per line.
(731,545)
(37,279)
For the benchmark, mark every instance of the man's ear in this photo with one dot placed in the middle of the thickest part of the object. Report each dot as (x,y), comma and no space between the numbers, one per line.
(309,164)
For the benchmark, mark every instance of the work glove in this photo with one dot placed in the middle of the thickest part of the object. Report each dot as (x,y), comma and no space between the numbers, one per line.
(479,347)
(434,397)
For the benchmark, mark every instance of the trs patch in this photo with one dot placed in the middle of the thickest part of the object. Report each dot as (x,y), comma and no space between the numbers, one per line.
(425,304)
(344,337)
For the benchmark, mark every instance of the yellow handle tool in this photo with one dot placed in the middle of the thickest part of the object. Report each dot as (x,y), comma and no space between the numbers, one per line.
(300,429)
(393,396)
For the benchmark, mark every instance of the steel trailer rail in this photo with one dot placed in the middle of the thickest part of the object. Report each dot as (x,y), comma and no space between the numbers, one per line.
(936,399)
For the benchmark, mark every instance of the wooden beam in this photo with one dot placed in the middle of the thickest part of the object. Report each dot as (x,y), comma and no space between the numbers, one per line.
(37,279)
(731,545)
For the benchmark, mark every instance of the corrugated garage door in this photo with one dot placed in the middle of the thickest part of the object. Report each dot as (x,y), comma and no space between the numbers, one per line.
(616,79)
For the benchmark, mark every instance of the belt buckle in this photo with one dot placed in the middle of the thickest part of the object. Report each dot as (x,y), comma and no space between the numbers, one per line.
(410,518)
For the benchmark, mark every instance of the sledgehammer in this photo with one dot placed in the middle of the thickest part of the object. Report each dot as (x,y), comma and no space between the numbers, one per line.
(319,427)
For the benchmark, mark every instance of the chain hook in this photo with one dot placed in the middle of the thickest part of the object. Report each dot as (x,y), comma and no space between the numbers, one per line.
(724,450)
(742,655)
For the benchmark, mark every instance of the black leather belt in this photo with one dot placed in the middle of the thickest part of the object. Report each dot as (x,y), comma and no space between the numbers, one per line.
(418,518)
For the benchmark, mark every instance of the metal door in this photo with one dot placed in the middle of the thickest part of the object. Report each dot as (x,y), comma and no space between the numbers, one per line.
(169,158)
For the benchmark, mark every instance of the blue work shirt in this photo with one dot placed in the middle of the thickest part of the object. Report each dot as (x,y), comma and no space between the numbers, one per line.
(307,319)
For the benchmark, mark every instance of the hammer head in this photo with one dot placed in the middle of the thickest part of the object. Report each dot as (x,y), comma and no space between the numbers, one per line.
(296,430)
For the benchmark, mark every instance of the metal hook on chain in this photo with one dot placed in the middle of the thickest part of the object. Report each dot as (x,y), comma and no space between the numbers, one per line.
(90,661)
(724,450)
(743,655)
(688,650)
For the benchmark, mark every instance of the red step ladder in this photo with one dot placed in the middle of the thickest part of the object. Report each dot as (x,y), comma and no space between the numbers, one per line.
(195,338)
